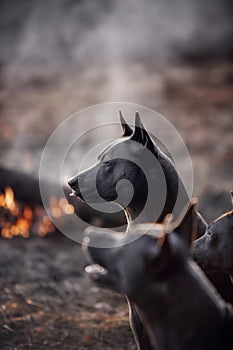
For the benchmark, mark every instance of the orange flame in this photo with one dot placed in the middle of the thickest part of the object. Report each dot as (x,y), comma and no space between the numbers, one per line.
(20,221)
(17,220)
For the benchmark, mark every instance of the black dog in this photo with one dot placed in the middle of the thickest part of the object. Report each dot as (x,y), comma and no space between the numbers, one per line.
(114,165)
(214,250)
(135,158)
(173,299)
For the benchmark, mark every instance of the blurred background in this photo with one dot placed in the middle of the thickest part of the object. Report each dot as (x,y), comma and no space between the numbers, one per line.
(59,56)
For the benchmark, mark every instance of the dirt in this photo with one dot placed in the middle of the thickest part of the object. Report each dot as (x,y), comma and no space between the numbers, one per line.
(47,303)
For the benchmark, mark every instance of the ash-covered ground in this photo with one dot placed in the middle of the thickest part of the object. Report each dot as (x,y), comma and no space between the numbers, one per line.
(46,303)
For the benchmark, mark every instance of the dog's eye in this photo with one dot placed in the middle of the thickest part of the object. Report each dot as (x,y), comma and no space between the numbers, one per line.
(107,162)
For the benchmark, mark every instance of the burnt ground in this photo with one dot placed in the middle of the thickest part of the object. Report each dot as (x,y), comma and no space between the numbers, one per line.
(45,301)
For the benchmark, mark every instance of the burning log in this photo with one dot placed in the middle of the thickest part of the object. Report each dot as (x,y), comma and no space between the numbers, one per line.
(14,219)
(21,206)
(26,188)
(17,219)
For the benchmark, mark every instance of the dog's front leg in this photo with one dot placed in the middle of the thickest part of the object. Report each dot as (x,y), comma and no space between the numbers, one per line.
(139,332)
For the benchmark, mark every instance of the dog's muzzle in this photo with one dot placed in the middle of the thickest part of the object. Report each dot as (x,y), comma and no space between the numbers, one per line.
(73,183)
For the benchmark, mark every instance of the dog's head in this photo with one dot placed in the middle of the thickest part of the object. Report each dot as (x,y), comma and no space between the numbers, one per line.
(102,181)
(213,251)
(141,260)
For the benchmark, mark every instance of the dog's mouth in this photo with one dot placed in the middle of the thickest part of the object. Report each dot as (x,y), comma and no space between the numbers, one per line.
(96,272)
(76,193)
(75,189)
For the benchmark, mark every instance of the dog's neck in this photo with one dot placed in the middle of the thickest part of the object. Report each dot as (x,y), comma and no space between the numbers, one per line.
(181,311)
(145,205)
(175,193)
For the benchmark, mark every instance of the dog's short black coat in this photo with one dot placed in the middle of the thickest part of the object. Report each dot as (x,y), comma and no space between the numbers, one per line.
(214,250)
(116,163)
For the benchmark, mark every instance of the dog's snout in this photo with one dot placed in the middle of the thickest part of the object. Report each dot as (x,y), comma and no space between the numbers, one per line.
(73,182)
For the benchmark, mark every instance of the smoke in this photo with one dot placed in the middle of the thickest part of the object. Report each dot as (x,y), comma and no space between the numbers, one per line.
(44,38)
(109,45)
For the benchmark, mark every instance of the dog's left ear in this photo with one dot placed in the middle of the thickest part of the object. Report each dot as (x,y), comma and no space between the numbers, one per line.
(127,130)
(140,134)
(187,229)
(155,249)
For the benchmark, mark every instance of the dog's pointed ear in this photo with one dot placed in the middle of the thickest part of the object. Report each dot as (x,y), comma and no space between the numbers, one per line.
(155,249)
(187,228)
(127,130)
(161,238)
(140,134)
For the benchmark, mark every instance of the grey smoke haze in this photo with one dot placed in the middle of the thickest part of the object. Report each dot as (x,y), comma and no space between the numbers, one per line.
(41,37)
(72,54)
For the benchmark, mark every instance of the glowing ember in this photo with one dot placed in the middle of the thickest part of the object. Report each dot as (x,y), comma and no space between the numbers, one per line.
(45,227)
(14,221)
(60,207)
(18,220)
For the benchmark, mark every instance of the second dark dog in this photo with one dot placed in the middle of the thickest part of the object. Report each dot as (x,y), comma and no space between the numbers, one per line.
(176,304)
(214,250)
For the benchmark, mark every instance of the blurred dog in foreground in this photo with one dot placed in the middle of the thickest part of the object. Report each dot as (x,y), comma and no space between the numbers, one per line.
(175,302)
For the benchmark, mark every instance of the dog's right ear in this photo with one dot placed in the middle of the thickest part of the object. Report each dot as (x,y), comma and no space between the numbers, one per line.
(127,130)
(188,225)
(140,134)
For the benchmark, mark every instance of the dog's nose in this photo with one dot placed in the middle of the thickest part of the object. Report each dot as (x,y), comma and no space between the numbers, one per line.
(73,181)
